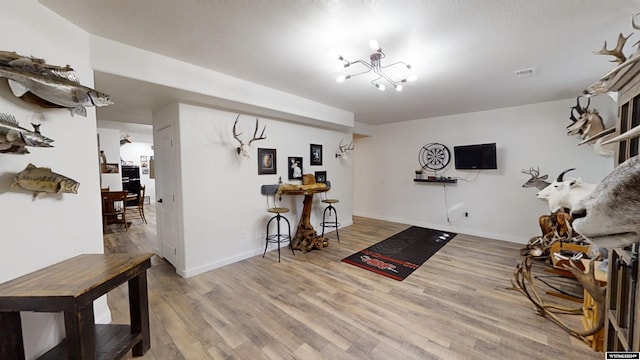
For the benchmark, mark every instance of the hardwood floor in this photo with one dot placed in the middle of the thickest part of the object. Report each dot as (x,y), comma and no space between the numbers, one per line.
(313,306)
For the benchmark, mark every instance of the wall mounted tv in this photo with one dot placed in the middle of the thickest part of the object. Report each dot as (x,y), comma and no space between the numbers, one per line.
(478,156)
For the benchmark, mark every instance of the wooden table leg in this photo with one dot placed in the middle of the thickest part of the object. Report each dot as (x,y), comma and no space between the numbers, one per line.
(306,238)
(139,311)
(11,346)
(80,334)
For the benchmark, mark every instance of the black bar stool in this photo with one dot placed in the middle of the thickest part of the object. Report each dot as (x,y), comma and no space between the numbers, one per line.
(331,209)
(278,237)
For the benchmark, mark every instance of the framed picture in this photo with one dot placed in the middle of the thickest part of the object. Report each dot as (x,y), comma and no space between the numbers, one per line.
(267,161)
(321,176)
(110,168)
(316,154)
(295,168)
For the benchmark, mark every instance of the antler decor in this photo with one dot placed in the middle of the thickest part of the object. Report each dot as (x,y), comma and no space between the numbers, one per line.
(342,149)
(244,148)
(536,180)
(617,51)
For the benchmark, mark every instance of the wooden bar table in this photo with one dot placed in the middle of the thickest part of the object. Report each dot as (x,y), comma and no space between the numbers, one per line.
(306,238)
(71,286)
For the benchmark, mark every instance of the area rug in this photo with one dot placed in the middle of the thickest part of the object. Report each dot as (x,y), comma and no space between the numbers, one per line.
(401,254)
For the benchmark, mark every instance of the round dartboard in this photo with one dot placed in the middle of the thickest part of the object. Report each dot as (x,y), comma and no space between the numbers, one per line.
(434,156)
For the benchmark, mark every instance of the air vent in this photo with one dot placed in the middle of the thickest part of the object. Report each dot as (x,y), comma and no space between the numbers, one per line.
(524,73)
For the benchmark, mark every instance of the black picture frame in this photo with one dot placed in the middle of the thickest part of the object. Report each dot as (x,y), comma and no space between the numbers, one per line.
(267,161)
(321,176)
(294,165)
(315,153)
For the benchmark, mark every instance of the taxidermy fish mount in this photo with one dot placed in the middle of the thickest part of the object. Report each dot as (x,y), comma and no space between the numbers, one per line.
(54,86)
(41,180)
(14,139)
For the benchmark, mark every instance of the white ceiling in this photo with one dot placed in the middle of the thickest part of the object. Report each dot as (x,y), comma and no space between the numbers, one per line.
(465,52)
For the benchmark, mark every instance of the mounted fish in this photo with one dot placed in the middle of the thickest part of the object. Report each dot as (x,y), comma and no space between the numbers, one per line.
(61,88)
(13,59)
(14,139)
(41,180)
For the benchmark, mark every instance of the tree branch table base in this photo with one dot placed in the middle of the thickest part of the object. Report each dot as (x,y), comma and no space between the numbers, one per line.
(306,238)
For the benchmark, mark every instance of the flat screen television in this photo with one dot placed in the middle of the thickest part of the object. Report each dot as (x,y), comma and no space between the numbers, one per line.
(478,156)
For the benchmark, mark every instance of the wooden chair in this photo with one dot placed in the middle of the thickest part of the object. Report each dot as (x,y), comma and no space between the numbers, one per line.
(113,208)
(138,204)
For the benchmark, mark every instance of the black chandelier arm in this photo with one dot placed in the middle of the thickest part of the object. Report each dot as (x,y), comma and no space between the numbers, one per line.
(360,73)
(361,62)
(386,77)
(396,63)
(375,65)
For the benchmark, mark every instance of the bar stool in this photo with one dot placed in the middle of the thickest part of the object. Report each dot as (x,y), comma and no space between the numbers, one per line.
(278,237)
(331,209)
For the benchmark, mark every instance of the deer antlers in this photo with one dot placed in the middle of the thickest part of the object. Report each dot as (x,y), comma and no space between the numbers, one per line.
(617,51)
(534,173)
(343,149)
(244,148)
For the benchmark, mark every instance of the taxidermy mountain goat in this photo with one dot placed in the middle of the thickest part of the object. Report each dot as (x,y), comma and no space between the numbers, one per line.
(610,216)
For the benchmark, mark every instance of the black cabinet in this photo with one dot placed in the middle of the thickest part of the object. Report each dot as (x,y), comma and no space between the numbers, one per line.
(131,181)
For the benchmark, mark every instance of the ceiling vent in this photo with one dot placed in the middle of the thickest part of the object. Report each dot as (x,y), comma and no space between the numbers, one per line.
(524,73)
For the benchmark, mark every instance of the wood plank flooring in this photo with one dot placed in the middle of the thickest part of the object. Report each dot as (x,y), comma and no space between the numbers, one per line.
(313,306)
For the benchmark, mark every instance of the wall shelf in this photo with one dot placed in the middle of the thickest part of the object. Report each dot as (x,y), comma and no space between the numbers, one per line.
(441,181)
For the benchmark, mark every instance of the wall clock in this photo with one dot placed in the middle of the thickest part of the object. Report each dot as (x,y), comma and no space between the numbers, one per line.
(434,156)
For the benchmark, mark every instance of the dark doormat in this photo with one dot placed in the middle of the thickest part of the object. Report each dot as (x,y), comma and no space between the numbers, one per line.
(401,254)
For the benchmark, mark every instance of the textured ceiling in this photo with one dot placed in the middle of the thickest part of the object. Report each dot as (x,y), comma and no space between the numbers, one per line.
(464,52)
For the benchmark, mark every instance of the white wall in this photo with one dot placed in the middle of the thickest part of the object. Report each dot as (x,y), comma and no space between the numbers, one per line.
(110,144)
(498,207)
(224,212)
(37,233)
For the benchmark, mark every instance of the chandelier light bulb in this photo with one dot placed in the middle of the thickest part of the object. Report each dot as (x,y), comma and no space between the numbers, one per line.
(412,77)
(341,78)
(398,88)
(381,87)
(373,44)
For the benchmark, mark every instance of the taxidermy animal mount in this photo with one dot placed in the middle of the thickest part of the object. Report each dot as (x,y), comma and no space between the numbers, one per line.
(535,180)
(14,139)
(47,85)
(342,150)
(565,193)
(244,148)
(41,180)
(609,216)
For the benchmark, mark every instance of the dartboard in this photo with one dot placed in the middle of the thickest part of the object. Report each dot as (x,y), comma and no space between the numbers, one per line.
(434,156)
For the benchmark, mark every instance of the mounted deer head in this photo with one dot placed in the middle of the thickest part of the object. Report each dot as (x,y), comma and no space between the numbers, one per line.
(244,148)
(535,180)
(342,152)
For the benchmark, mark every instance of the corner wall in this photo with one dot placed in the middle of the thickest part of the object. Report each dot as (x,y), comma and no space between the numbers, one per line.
(41,232)
(224,213)
(498,206)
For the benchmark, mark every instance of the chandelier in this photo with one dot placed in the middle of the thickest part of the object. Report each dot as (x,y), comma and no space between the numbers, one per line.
(377,68)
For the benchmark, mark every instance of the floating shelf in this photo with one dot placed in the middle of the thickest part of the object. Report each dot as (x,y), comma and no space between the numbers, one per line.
(441,181)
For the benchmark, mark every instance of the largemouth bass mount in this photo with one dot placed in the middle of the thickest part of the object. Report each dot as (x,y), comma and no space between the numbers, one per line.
(41,180)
